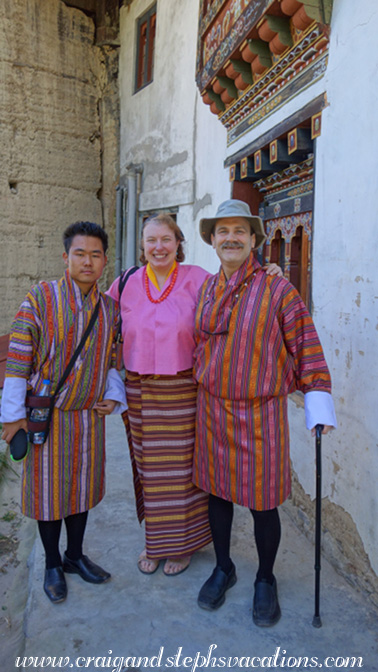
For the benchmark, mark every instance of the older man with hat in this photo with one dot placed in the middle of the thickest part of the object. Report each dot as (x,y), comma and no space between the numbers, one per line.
(256,343)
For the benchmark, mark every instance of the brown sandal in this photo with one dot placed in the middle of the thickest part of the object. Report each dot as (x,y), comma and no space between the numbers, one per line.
(183,563)
(143,558)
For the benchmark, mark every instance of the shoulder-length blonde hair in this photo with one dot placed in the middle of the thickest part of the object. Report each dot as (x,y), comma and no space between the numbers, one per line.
(164,218)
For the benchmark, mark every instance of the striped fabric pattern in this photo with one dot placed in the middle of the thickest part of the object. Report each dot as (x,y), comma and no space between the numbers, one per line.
(242,450)
(66,474)
(256,343)
(161,413)
(270,347)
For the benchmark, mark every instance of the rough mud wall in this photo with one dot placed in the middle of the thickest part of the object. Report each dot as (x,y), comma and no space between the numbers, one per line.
(341,542)
(59,124)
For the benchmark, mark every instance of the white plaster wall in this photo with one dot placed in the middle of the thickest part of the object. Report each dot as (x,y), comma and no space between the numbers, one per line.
(345,269)
(167,127)
(212,185)
(157,121)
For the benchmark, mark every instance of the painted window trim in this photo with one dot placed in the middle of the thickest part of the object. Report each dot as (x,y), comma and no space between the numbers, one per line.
(149,17)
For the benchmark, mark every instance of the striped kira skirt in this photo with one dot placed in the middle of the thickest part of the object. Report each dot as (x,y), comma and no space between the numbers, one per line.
(160,424)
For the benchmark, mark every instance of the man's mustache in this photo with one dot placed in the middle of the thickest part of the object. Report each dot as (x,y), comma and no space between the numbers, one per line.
(231,246)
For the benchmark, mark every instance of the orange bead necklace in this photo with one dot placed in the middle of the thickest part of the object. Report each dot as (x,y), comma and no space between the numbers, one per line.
(166,292)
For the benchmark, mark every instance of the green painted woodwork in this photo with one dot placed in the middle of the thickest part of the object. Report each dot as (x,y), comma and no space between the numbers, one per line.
(229,85)
(244,69)
(281,25)
(319,10)
(215,97)
(262,50)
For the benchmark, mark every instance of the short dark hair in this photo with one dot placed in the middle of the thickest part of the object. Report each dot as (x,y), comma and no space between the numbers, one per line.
(84,229)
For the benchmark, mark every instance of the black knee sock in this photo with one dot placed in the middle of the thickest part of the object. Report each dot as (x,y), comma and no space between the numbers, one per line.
(49,531)
(267,535)
(220,517)
(75,526)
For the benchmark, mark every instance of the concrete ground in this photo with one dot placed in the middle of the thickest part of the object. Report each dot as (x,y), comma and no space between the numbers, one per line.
(156,617)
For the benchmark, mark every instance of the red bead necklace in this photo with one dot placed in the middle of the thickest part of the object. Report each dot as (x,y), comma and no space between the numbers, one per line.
(166,292)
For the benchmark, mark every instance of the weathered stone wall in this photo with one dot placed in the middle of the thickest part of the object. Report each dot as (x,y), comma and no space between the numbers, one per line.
(59,124)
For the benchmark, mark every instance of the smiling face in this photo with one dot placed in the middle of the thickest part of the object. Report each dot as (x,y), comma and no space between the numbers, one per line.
(85,261)
(233,241)
(160,246)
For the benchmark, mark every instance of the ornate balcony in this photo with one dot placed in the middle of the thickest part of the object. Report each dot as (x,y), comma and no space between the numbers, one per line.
(254,55)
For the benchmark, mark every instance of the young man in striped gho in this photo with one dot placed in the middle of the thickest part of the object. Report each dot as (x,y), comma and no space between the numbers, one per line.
(256,343)
(64,477)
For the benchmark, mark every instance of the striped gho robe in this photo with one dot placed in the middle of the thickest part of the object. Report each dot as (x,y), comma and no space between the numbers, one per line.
(66,475)
(256,343)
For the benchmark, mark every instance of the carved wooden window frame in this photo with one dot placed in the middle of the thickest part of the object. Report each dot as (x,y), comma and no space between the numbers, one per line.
(145,49)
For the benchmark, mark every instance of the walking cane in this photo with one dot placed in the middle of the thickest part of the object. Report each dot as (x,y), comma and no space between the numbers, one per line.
(316,621)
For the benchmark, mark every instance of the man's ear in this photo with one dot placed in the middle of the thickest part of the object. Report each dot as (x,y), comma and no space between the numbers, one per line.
(212,239)
(65,257)
(253,241)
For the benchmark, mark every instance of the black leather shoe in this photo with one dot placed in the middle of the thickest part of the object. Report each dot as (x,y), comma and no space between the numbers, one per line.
(55,585)
(212,593)
(87,569)
(266,609)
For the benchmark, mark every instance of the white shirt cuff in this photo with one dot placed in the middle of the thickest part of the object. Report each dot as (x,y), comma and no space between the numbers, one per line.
(13,399)
(115,390)
(319,409)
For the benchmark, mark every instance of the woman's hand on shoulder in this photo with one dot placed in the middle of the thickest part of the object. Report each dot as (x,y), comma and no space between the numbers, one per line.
(273,269)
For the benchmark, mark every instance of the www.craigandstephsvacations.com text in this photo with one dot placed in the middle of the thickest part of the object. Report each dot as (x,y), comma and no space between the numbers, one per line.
(280,659)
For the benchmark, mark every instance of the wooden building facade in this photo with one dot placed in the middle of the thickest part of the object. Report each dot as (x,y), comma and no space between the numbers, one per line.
(252,58)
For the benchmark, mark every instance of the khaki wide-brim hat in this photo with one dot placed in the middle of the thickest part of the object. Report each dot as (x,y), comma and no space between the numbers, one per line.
(233,208)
